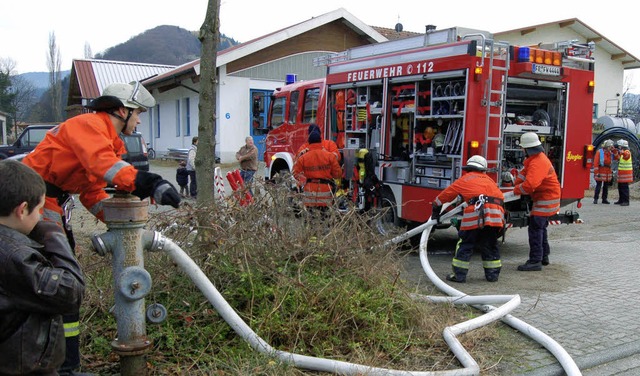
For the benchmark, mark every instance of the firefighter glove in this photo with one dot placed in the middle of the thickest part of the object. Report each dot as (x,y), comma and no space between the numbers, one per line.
(165,193)
(152,185)
(435,212)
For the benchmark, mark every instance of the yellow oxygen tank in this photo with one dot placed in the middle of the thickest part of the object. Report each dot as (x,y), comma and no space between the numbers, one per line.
(361,170)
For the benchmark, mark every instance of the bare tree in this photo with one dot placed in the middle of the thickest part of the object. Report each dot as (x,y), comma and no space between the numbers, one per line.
(54,63)
(205,159)
(25,97)
(17,94)
(88,54)
(630,101)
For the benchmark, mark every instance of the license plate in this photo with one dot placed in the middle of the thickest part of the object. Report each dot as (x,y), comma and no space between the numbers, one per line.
(547,70)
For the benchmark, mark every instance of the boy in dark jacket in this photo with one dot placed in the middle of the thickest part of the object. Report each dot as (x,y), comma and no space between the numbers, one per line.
(40,278)
(182,178)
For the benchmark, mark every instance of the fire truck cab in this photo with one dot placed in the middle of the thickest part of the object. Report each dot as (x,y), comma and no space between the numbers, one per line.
(422,106)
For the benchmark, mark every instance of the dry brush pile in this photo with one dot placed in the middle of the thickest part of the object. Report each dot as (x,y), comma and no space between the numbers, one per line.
(306,285)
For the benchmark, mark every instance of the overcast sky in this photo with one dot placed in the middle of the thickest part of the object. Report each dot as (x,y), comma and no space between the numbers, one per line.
(25,25)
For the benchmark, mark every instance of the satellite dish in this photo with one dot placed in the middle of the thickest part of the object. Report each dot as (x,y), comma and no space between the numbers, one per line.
(398,27)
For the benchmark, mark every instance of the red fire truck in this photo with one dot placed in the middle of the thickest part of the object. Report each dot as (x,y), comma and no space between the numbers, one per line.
(412,111)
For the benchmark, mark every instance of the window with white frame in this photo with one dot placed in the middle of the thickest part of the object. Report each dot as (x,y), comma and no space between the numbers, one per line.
(178,118)
(187,117)
(158,121)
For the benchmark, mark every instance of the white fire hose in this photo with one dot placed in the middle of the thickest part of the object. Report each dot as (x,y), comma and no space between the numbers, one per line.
(482,302)
(470,366)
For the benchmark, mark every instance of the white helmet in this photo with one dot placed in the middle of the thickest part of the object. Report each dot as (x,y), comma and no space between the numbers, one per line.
(607,143)
(623,143)
(529,140)
(476,162)
(131,95)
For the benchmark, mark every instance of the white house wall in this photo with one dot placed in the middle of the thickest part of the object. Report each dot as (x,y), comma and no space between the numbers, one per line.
(609,74)
(170,117)
(233,115)
(234,112)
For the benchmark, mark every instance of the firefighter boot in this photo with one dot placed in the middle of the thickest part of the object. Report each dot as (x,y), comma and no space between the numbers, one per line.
(492,274)
(454,278)
(459,275)
(530,266)
(545,258)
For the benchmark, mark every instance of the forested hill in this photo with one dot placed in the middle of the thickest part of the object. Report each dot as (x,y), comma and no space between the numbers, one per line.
(165,44)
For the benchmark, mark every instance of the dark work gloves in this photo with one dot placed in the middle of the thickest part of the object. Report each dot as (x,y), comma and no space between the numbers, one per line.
(165,193)
(435,212)
(149,184)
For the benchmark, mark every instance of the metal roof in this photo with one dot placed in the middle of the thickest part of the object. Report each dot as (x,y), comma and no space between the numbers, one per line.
(94,75)
(627,60)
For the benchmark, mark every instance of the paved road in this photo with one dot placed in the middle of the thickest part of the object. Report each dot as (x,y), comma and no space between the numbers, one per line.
(586,300)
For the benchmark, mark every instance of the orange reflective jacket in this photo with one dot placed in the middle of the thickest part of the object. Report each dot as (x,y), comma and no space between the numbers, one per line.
(539,180)
(316,168)
(328,145)
(81,156)
(602,165)
(482,194)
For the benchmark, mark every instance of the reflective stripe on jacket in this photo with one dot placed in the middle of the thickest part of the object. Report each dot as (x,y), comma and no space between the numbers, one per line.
(539,180)
(319,167)
(625,168)
(80,156)
(470,186)
(602,166)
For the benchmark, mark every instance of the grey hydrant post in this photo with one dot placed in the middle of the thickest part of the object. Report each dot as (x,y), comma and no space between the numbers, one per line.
(125,216)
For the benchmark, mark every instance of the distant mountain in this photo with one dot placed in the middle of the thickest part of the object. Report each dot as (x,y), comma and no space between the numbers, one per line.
(169,45)
(40,80)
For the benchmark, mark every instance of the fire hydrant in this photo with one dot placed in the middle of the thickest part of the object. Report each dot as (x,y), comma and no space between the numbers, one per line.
(125,216)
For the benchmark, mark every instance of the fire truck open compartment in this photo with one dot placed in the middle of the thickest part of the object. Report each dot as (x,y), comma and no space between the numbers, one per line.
(414,127)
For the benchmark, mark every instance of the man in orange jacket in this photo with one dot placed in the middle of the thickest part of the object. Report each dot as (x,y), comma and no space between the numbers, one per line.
(482,219)
(81,156)
(538,179)
(315,170)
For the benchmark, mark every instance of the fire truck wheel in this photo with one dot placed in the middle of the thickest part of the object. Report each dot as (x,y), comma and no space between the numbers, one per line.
(387,222)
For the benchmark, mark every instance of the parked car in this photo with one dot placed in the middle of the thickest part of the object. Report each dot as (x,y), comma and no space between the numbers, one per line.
(136,151)
(27,141)
(33,134)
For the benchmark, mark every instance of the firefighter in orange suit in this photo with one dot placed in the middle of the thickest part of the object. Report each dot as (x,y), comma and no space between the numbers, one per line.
(602,173)
(81,156)
(328,145)
(537,179)
(316,170)
(625,172)
(482,219)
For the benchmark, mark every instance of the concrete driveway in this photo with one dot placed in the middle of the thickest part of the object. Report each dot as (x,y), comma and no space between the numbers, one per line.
(586,299)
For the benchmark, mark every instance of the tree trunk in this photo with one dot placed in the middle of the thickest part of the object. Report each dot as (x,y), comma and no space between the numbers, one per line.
(54,61)
(205,158)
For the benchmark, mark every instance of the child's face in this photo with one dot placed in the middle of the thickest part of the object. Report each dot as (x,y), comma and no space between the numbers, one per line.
(29,220)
